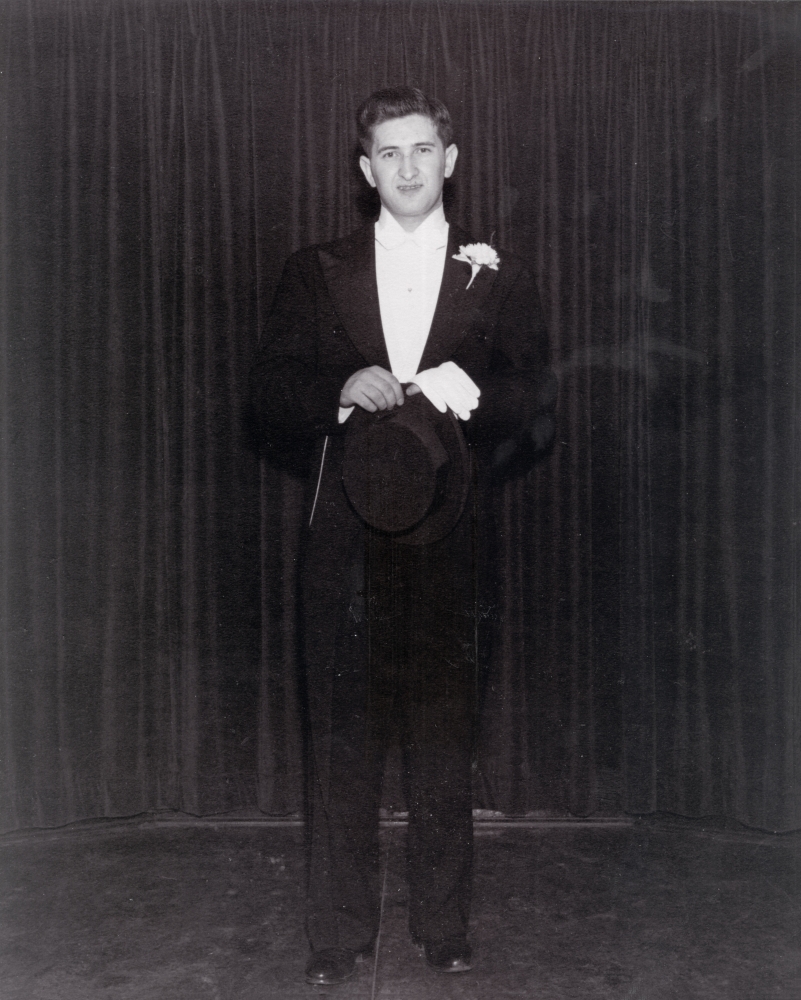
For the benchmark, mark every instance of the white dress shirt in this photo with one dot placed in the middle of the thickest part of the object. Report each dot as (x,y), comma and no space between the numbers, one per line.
(408,269)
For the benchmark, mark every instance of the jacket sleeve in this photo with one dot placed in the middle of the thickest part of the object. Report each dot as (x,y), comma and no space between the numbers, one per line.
(295,385)
(517,386)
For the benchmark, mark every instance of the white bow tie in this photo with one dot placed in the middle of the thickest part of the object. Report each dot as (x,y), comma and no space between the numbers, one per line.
(428,241)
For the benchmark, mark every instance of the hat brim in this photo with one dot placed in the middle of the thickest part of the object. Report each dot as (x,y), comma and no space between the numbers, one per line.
(415,447)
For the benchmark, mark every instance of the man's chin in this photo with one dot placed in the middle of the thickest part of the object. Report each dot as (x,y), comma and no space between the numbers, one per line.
(409,211)
(412,206)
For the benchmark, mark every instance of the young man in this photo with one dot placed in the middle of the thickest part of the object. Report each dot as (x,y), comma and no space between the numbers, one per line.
(405,306)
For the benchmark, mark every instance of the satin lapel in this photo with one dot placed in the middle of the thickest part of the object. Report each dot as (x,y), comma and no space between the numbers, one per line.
(349,271)
(457,306)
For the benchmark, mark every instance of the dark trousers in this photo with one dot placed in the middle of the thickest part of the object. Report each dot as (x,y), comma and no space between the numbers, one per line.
(417,684)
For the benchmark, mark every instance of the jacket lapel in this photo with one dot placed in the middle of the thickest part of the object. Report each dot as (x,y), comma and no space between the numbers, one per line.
(457,306)
(349,271)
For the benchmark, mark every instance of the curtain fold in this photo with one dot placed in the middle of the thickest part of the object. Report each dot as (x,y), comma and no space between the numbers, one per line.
(160,160)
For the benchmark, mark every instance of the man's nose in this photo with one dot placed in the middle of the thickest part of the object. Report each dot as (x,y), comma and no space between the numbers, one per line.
(408,167)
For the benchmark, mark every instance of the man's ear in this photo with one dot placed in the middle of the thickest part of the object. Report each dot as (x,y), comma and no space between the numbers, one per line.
(367,170)
(450,159)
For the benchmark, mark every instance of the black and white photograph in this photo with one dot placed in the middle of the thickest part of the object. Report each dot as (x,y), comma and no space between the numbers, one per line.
(400,499)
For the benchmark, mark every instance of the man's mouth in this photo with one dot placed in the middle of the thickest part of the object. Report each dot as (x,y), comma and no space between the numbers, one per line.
(407,188)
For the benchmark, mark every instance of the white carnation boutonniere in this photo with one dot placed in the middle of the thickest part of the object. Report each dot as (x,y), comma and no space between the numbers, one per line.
(478,255)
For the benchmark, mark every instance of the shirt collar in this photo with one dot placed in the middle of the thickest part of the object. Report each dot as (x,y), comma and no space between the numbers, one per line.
(431,234)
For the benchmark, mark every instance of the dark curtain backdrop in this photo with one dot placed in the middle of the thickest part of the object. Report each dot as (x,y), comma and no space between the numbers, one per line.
(159,160)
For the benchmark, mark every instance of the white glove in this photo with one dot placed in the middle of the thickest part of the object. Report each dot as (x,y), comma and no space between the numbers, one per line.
(449,386)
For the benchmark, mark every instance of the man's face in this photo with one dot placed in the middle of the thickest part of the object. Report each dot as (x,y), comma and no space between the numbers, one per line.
(408,165)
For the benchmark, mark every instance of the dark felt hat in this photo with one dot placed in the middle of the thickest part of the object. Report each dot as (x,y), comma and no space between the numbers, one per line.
(406,471)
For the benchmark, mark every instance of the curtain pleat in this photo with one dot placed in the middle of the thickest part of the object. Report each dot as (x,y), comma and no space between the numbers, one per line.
(160,160)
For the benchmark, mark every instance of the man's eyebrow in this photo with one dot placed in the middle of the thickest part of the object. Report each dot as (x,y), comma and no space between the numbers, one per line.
(431,142)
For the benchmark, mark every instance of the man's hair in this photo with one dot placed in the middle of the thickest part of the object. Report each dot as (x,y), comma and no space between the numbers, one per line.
(398,102)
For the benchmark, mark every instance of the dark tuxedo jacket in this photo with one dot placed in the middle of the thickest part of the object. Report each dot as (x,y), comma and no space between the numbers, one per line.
(325,324)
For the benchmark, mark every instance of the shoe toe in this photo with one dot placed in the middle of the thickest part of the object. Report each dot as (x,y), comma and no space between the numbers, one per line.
(330,966)
(449,956)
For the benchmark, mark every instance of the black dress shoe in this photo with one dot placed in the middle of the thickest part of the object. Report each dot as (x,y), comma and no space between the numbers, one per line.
(449,956)
(330,966)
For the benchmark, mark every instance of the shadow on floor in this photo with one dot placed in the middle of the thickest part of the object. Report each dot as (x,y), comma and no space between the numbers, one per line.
(645,912)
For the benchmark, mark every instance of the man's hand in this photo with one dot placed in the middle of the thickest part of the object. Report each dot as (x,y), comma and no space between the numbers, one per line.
(373,389)
(447,386)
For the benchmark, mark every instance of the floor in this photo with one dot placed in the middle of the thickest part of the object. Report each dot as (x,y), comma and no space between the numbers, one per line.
(164,911)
